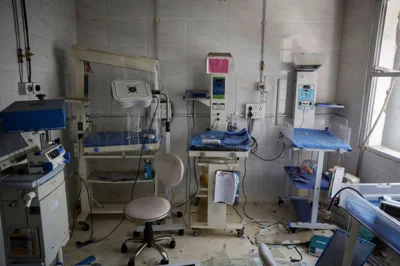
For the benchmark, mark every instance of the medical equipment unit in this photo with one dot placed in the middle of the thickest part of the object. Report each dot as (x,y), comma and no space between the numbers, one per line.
(218,67)
(218,150)
(39,115)
(306,66)
(33,198)
(301,137)
(140,139)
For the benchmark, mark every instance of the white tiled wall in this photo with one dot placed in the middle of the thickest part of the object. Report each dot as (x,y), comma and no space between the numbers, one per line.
(351,86)
(52,31)
(189,29)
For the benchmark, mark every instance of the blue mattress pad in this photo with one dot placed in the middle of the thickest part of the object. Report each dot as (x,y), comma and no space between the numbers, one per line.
(307,138)
(238,141)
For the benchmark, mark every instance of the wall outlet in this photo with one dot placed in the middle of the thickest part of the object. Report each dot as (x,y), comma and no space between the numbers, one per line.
(261,86)
(257,110)
(26,88)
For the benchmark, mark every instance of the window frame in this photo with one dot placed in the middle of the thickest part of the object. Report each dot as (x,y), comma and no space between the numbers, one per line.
(374,71)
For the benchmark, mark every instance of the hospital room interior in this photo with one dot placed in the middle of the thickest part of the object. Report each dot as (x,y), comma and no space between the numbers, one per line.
(199,132)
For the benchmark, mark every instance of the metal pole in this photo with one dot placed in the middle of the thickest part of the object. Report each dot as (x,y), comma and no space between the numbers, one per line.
(60,259)
(351,242)
(317,188)
(277,101)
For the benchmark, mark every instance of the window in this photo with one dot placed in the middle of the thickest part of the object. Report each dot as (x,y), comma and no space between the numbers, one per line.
(384,79)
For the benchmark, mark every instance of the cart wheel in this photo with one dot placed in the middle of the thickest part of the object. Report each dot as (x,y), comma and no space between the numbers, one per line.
(196,232)
(163,262)
(181,232)
(136,234)
(172,244)
(84,226)
(131,263)
(179,214)
(124,248)
(240,232)
(293,230)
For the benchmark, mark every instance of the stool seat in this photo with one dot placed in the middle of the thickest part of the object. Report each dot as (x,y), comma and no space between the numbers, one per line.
(147,209)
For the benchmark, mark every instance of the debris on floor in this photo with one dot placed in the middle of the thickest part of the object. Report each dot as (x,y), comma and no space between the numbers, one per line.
(222,259)
(279,238)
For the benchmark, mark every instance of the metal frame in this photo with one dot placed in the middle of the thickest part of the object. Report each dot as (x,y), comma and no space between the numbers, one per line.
(150,65)
(373,69)
(313,224)
(351,242)
(216,212)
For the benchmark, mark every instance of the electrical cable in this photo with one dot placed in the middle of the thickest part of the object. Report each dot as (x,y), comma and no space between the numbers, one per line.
(25,21)
(337,193)
(296,260)
(244,194)
(197,185)
(276,147)
(270,160)
(253,145)
(238,213)
(27,42)
(188,171)
(79,183)
(288,230)
(187,185)
(197,190)
(144,145)
(302,120)
(91,240)
(18,40)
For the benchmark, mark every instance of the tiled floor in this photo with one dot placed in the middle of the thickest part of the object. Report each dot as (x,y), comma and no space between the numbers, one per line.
(188,248)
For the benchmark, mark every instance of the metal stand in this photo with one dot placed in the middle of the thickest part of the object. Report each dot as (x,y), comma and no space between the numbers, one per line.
(301,204)
(149,241)
(216,212)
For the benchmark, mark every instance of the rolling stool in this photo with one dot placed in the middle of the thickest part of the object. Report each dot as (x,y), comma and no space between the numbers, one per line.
(169,170)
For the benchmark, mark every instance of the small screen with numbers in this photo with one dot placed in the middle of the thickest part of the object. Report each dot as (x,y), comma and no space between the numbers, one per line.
(306,93)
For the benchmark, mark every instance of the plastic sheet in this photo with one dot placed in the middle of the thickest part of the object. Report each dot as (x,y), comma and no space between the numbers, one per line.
(379,223)
(102,139)
(334,252)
